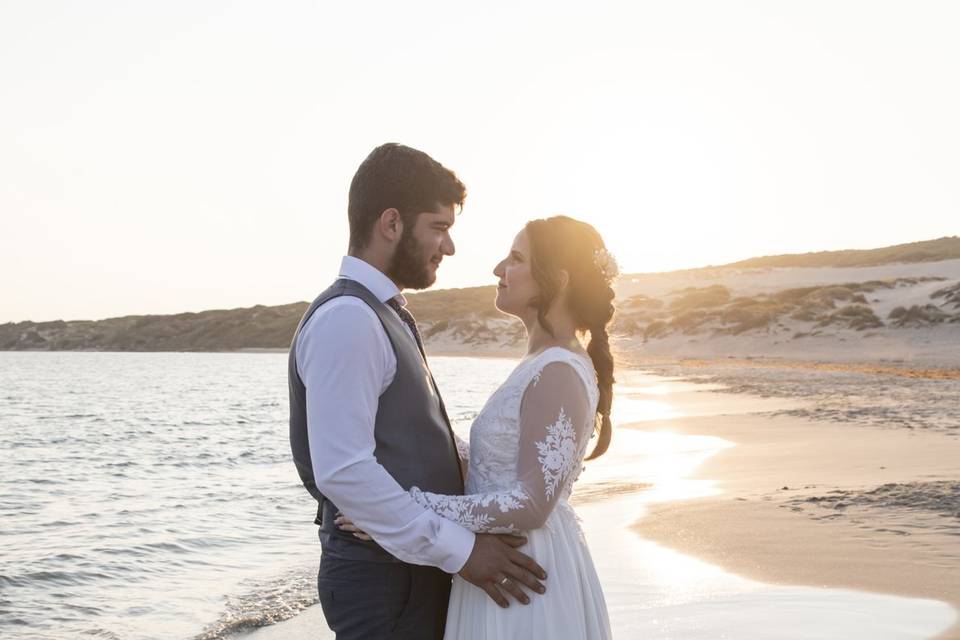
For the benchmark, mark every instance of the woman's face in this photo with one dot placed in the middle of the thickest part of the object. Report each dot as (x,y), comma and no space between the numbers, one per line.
(516,287)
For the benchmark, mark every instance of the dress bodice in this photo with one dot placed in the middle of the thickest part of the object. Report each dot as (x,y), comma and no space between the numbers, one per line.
(527,445)
(495,432)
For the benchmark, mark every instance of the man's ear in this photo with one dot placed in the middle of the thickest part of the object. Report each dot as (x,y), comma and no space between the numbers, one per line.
(390,225)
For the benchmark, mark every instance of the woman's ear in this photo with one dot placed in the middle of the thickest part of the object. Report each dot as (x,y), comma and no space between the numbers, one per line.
(563,279)
(390,224)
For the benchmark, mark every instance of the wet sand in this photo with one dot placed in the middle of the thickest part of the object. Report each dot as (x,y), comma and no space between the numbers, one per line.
(777,521)
(857,485)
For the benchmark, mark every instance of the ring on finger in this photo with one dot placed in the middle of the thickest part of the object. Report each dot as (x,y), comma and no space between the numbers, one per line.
(503,581)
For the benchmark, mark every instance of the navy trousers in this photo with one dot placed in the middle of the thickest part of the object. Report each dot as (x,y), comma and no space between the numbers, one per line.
(380,600)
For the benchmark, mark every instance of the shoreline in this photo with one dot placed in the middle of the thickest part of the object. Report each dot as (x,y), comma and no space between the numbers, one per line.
(904,369)
(769,523)
(629,360)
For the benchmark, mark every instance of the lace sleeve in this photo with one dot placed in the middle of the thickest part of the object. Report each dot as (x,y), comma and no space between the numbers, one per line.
(463,450)
(554,427)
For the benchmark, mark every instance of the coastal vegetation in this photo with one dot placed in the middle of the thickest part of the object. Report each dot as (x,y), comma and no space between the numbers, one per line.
(468,317)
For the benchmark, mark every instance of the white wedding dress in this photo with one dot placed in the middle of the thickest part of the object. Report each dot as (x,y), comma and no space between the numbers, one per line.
(526,451)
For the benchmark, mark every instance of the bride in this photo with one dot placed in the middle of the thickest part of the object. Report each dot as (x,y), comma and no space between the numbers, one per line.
(528,443)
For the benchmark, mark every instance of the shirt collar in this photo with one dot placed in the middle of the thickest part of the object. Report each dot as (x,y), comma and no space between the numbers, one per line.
(372,278)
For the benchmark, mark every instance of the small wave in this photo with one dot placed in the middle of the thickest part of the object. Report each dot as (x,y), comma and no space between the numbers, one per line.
(61,578)
(125,463)
(265,603)
(100,633)
(602,490)
(90,611)
(58,523)
(163,546)
(122,551)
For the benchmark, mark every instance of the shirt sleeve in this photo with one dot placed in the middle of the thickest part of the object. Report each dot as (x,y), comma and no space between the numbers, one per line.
(554,430)
(342,362)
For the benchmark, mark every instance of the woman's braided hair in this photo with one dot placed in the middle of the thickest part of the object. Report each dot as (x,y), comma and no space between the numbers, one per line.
(560,244)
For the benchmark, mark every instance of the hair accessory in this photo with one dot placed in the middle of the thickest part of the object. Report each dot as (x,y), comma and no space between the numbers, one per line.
(607,264)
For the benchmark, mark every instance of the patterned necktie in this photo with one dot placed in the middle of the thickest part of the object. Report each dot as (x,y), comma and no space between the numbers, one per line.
(407,317)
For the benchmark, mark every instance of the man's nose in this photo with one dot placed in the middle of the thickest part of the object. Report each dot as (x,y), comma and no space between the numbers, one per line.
(447,247)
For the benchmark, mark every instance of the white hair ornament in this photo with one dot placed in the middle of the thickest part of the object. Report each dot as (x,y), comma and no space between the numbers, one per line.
(607,264)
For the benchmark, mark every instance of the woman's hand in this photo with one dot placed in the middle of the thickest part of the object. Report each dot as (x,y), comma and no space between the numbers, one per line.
(346,524)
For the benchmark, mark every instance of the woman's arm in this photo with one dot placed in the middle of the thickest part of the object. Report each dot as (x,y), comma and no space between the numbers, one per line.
(554,427)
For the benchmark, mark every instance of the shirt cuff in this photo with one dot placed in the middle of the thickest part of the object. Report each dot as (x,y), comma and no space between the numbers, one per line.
(459,545)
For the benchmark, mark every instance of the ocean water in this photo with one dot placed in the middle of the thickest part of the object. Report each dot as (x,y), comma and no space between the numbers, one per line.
(152,495)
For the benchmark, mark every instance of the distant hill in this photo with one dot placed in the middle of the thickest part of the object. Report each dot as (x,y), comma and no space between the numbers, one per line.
(946,248)
(258,327)
(219,330)
(451,317)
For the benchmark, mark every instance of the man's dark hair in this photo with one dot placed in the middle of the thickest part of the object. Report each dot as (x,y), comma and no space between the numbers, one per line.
(395,176)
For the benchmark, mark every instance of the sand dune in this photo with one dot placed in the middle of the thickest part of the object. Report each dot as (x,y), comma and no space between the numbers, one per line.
(906,315)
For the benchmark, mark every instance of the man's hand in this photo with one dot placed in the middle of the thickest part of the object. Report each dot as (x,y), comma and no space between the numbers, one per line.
(495,564)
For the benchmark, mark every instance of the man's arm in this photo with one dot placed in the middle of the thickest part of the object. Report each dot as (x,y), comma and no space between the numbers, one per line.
(342,361)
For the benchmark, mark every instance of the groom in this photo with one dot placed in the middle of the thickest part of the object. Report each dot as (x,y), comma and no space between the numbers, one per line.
(367,421)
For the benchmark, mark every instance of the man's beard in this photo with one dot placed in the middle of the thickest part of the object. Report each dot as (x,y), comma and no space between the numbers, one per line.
(408,267)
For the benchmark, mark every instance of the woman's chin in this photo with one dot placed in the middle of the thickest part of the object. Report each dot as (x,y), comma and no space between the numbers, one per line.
(503,305)
(498,302)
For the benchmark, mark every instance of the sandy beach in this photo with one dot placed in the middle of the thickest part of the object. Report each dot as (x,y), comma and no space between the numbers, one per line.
(822,504)
(857,487)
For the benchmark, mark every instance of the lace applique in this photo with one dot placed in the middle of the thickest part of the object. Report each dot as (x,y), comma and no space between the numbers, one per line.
(524,461)
(469,510)
(536,378)
(557,452)
(463,448)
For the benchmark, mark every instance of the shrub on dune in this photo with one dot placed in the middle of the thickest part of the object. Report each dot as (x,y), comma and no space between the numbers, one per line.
(655,329)
(917,316)
(950,295)
(758,314)
(642,301)
(805,314)
(625,325)
(853,316)
(703,298)
(689,321)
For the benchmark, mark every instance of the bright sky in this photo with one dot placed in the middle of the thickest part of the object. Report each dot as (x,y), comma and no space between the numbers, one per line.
(158,157)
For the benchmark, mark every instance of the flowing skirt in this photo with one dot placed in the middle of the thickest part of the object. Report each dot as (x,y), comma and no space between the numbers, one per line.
(573,606)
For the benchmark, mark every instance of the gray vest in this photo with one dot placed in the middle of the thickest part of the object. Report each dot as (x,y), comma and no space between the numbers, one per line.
(414,441)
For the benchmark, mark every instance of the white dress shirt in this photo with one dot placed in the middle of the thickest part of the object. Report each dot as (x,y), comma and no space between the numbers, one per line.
(346,362)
